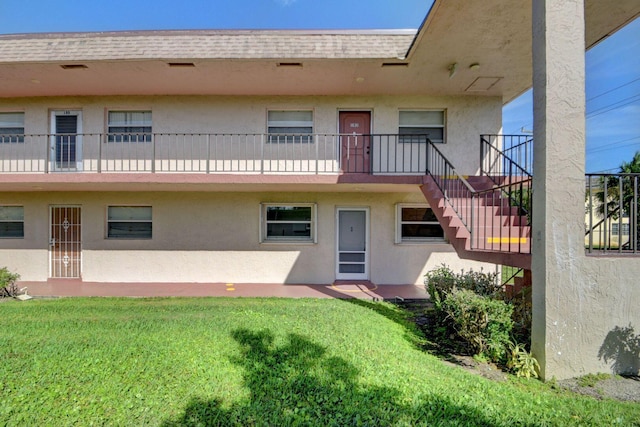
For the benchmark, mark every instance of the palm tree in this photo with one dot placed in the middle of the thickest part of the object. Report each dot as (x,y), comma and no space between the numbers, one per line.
(617,195)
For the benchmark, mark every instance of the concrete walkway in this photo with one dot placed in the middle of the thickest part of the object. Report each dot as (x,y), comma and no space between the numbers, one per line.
(339,289)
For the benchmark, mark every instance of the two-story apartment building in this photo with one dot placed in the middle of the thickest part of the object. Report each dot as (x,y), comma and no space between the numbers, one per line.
(314,156)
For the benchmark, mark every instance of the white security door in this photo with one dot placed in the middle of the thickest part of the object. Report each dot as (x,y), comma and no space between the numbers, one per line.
(66,140)
(65,242)
(353,253)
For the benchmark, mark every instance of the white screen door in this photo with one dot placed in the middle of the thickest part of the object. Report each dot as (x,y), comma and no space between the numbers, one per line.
(352,252)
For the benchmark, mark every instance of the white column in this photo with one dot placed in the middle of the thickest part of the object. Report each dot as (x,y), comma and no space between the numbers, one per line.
(558,185)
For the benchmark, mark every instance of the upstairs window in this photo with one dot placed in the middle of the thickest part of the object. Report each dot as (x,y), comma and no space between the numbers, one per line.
(417,126)
(417,223)
(288,223)
(129,126)
(129,222)
(11,127)
(290,126)
(11,222)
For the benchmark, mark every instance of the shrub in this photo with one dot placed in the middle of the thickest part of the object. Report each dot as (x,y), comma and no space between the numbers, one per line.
(483,322)
(8,286)
(440,283)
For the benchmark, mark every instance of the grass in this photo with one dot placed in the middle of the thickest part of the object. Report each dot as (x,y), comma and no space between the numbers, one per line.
(197,362)
(508,274)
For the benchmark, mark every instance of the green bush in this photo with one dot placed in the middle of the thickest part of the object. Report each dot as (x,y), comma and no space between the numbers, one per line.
(442,281)
(483,322)
(8,287)
(439,284)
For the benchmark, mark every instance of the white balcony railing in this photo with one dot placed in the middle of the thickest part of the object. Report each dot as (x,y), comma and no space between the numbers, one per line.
(214,153)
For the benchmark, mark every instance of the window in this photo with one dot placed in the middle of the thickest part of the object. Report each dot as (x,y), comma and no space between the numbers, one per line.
(290,126)
(288,223)
(11,222)
(417,223)
(417,126)
(129,126)
(11,127)
(615,229)
(129,222)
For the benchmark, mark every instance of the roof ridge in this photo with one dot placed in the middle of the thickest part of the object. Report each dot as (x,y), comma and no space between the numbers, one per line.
(203,32)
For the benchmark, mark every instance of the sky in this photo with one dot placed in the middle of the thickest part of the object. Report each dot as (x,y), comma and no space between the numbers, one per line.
(612,66)
(613,102)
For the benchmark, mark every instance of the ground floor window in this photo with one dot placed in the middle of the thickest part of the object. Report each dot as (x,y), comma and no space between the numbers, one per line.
(288,222)
(11,222)
(129,222)
(417,223)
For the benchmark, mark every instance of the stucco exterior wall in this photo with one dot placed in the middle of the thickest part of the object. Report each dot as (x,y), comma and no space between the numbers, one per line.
(214,237)
(466,117)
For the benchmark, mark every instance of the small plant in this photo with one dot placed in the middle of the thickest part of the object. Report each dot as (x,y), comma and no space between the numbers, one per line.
(483,322)
(8,286)
(521,362)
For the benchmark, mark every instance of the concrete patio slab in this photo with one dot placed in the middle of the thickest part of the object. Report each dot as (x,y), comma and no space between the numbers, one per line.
(339,289)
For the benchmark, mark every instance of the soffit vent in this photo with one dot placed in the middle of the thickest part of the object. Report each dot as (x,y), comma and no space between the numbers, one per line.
(73,66)
(395,64)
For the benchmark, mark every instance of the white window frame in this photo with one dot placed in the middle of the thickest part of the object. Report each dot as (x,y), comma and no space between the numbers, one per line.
(424,126)
(129,136)
(279,137)
(312,239)
(150,221)
(13,220)
(399,222)
(11,127)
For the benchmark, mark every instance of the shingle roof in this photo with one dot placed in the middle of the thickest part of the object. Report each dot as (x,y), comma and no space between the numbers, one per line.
(199,44)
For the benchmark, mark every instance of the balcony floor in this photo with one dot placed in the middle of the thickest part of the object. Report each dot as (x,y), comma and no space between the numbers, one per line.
(79,181)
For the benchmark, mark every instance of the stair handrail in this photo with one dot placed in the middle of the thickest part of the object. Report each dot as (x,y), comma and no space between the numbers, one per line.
(500,158)
(448,180)
(493,155)
(467,202)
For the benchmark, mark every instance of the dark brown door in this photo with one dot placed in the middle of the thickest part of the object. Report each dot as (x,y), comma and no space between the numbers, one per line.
(65,241)
(355,141)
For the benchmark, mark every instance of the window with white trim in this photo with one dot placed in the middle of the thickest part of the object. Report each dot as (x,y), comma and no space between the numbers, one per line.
(11,222)
(289,126)
(11,127)
(129,126)
(288,222)
(129,222)
(417,126)
(417,223)
(615,229)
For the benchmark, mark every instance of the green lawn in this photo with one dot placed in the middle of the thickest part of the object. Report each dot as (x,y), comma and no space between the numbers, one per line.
(275,362)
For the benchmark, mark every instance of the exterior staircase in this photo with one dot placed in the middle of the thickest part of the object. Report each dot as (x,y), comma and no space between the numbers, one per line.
(490,230)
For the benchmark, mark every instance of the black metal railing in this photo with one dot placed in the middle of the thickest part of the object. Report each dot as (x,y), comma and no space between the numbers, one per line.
(515,149)
(385,154)
(612,216)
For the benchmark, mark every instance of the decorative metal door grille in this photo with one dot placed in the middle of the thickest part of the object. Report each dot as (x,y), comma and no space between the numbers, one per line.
(65,242)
